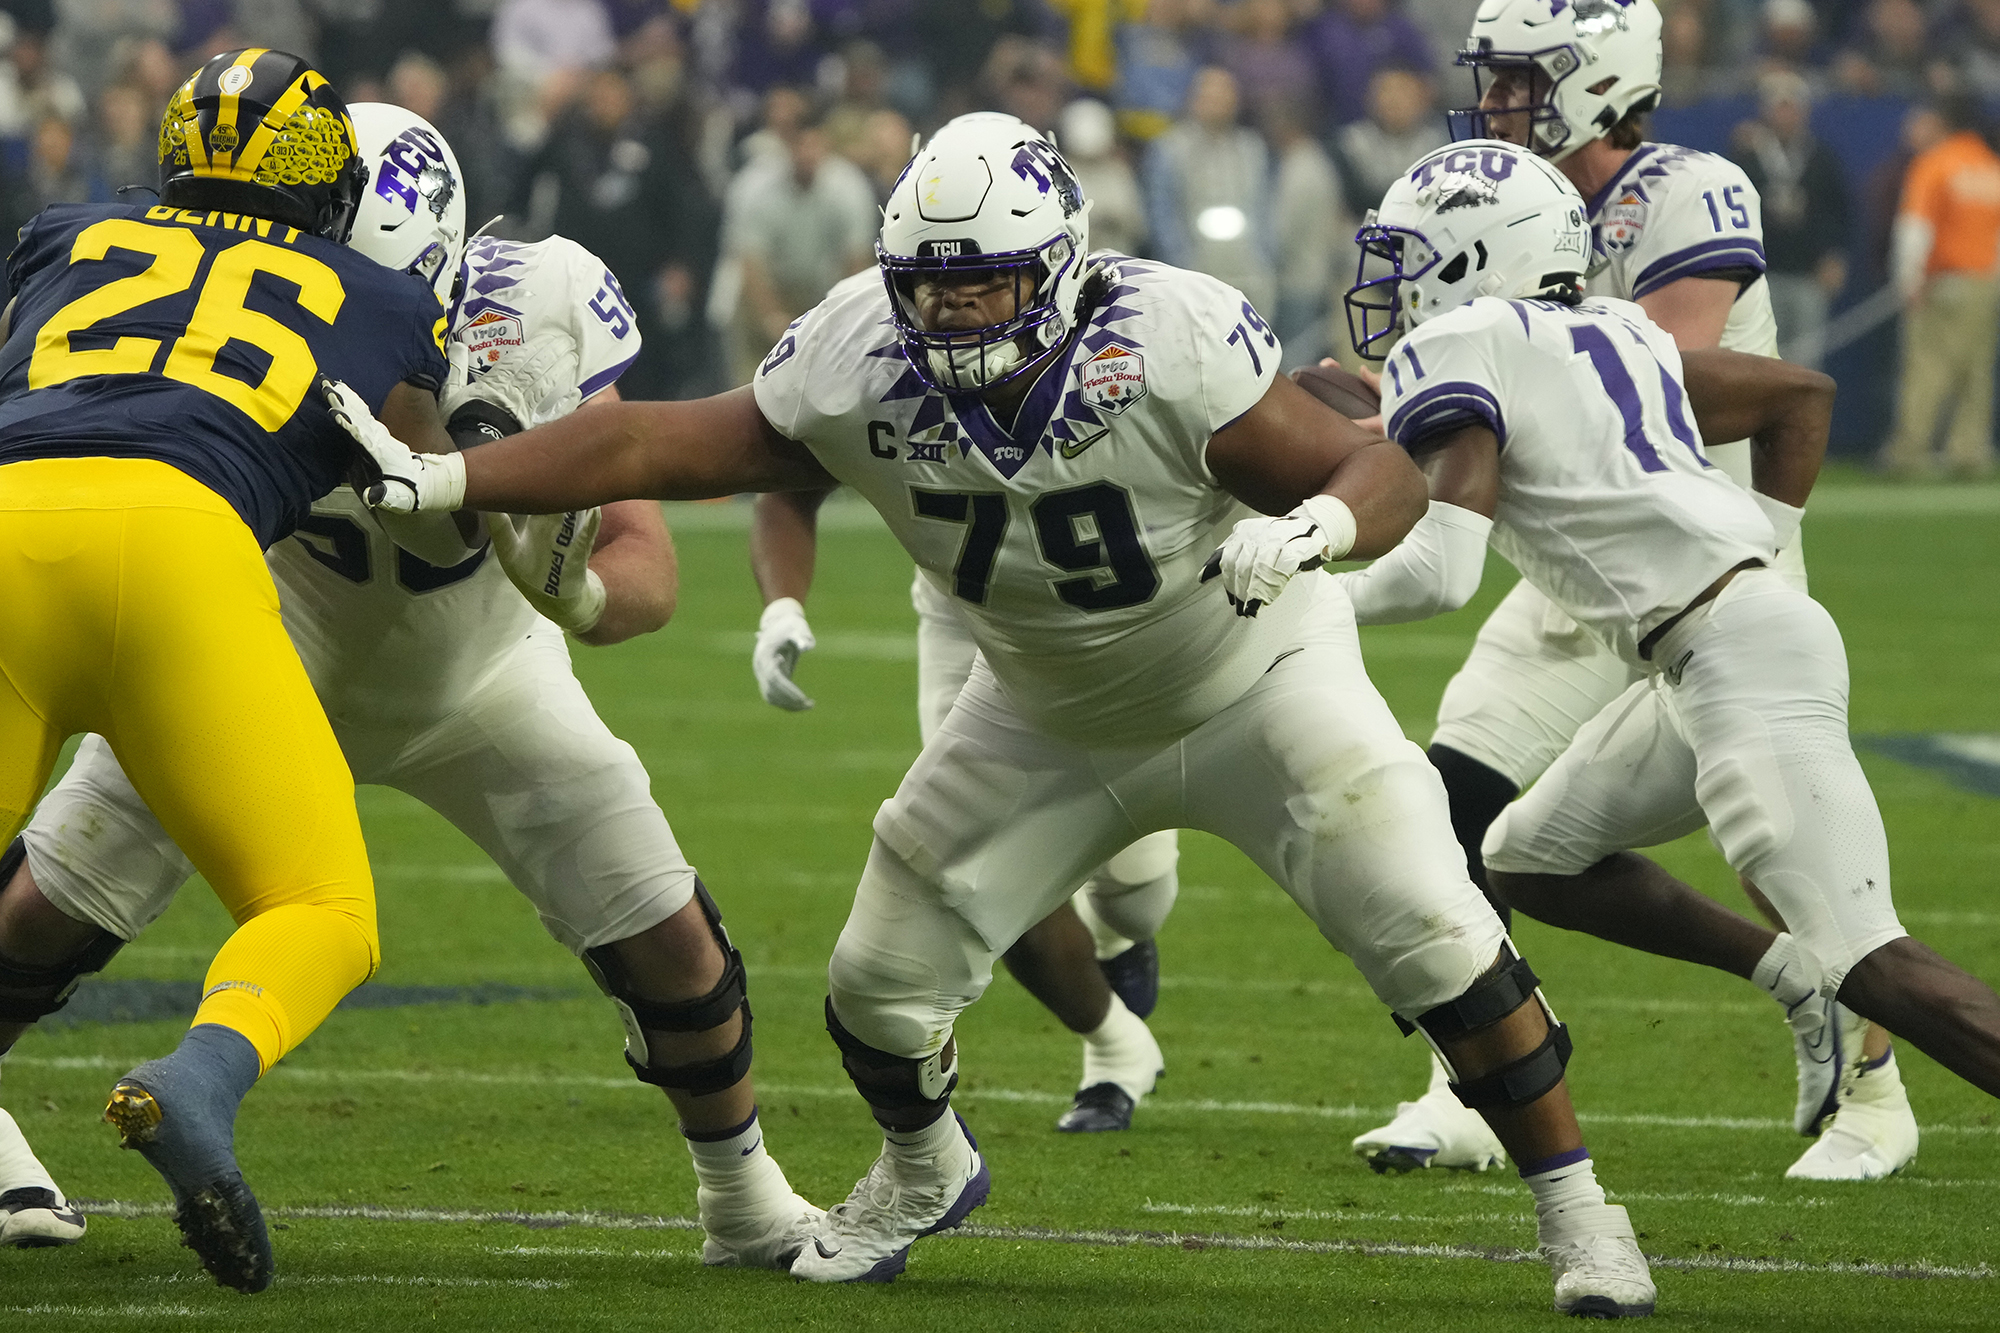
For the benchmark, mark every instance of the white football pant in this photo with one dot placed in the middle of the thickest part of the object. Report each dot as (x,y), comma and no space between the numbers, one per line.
(1308,773)
(1744,730)
(1125,899)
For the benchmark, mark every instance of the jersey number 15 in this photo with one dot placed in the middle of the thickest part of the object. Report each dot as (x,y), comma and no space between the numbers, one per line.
(220,316)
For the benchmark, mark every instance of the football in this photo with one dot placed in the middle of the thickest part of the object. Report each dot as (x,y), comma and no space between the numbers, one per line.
(1342,390)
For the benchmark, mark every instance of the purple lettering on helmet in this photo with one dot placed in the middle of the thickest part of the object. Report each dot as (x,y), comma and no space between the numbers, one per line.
(390,185)
(1495,165)
(1421,174)
(1462,159)
(1038,162)
(1028,167)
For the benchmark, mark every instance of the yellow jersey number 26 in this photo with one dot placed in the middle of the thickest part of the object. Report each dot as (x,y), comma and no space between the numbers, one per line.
(219,316)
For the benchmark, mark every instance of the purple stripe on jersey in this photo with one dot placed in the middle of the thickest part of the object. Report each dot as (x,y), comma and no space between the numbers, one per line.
(1444,407)
(603,379)
(1632,164)
(1736,252)
(1677,417)
(1009,451)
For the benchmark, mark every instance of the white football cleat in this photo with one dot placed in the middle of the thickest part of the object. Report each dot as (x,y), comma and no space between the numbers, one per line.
(1823,1050)
(1436,1129)
(1872,1135)
(31,1217)
(1599,1271)
(900,1200)
(748,1228)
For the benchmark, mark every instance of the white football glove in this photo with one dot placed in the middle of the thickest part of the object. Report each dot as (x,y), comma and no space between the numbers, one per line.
(782,634)
(1260,555)
(536,383)
(547,556)
(410,483)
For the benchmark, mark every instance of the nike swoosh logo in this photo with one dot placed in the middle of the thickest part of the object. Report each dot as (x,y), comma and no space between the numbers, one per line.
(824,1252)
(1075,447)
(754,1147)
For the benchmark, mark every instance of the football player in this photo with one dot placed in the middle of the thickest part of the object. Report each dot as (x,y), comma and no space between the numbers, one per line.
(1679,232)
(1106,1003)
(1565,430)
(446,683)
(155,436)
(1072,454)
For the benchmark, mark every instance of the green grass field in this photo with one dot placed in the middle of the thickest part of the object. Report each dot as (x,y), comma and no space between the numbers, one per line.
(495,1165)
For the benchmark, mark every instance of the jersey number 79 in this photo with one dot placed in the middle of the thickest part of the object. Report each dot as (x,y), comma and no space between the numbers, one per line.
(219,316)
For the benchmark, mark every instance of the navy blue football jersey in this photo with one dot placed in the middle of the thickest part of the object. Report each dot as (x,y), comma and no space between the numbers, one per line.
(198,339)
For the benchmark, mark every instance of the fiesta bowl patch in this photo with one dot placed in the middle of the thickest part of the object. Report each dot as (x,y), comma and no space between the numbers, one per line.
(489,335)
(1621,223)
(1114,379)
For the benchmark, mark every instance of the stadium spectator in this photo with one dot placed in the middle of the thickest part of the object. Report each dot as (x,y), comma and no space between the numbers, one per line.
(87,38)
(1208,189)
(793,225)
(1270,64)
(1089,138)
(1157,60)
(1313,233)
(1027,80)
(1355,38)
(954,39)
(882,149)
(543,50)
(1943,260)
(1972,36)
(1790,36)
(1401,126)
(1685,75)
(1889,51)
(127,151)
(34,89)
(1093,42)
(1805,213)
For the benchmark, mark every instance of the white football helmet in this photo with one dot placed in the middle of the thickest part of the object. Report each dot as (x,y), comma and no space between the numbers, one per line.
(987,196)
(1586,62)
(412,213)
(1480,218)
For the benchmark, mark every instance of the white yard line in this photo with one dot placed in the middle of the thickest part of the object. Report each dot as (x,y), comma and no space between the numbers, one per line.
(972,1093)
(1117,1237)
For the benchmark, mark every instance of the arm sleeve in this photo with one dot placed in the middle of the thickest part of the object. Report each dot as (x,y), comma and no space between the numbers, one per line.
(1705,222)
(1436,568)
(1438,380)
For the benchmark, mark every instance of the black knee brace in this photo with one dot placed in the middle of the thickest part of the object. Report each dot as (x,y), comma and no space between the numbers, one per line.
(1477,794)
(905,1094)
(29,993)
(729,996)
(1488,1000)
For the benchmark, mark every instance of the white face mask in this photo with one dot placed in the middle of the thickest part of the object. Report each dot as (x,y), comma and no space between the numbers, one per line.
(975,367)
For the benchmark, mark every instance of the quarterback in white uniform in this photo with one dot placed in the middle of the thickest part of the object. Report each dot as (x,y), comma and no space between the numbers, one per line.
(446,682)
(1567,429)
(1110,921)
(1679,232)
(1072,454)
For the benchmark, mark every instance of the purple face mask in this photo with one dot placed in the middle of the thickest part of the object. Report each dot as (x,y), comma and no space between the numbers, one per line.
(1374,306)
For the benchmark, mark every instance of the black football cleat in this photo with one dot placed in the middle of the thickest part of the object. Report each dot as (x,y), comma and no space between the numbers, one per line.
(1134,976)
(1098,1109)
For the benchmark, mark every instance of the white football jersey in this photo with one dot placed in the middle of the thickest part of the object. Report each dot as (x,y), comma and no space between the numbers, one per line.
(389,638)
(1072,544)
(1673,213)
(1607,503)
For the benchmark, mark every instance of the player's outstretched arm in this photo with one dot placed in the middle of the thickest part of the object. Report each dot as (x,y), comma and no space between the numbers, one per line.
(784,541)
(1785,410)
(1334,489)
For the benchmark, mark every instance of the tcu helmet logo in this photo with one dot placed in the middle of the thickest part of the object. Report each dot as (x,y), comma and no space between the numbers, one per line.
(1039,163)
(1493,164)
(412,172)
(1456,189)
(1594,16)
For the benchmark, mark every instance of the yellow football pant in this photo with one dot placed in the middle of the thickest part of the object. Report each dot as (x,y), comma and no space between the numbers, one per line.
(134,603)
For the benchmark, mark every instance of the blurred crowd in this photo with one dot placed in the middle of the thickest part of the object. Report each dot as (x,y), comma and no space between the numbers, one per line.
(727,157)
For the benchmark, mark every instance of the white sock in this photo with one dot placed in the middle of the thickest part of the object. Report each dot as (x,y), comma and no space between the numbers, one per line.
(1783,974)
(19,1167)
(938,1139)
(1563,1190)
(1121,1050)
(1877,1081)
(725,1163)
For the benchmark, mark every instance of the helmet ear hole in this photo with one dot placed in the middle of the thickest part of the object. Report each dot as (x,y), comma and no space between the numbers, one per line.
(1453,271)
